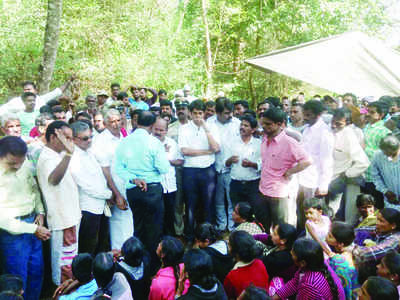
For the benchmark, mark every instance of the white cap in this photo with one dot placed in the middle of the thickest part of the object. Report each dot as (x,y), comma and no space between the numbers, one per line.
(179,93)
(187,87)
(221,94)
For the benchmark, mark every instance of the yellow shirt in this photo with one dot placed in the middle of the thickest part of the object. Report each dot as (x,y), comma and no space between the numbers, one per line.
(19,196)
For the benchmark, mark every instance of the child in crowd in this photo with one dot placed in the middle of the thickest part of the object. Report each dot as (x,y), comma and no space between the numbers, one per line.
(389,268)
(165,284)
(340,239)
(11,283)
(317,224)
(82,272)
(313,280)
(365,229)
(208,239)
(248,269)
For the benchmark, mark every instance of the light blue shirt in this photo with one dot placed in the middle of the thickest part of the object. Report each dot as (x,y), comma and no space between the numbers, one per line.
(85,291)
(139,105)
(141,156)
(386,176)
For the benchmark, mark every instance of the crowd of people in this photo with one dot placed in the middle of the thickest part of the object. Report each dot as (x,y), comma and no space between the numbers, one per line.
(145,196)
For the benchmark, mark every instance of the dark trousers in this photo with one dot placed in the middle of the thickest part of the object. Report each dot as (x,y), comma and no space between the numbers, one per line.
(271,210)
(198,184)
(244,191)
(94,233)
(21,254)
(148,216)
(169,213)
(369,188)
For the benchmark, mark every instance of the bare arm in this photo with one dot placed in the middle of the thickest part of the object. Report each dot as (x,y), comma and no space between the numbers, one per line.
(119,199)
(214,147)
(58,173)
(67,84)
(316,238)
(302,165)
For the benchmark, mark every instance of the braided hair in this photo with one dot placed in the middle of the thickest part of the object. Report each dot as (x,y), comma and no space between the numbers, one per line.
(246,212)
(171,255)
(311,252)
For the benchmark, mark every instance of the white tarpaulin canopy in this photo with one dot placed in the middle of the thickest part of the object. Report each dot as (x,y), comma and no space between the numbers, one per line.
(350,62)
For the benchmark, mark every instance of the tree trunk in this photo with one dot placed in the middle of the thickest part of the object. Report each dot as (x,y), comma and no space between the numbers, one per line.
(209,62)
(54,12)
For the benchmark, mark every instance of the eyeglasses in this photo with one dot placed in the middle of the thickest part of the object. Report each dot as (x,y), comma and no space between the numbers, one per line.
(85,138)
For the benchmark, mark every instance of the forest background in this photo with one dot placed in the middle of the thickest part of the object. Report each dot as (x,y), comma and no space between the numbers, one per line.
(168,43)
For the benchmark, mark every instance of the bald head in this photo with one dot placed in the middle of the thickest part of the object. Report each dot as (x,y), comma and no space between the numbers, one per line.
(390,145)
(160,129)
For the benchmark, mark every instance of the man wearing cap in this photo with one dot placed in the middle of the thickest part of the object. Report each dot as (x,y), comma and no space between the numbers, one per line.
(101,99)
(187,93)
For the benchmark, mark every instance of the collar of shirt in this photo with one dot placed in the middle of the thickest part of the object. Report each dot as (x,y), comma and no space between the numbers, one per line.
(110,135)
(376,124)
(276,139)
(316,126)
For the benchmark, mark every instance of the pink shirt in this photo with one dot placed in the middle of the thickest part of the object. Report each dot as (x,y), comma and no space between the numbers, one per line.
(279,155)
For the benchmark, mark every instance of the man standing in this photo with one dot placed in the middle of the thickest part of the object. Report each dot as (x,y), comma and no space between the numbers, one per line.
(244,159)
(385,171)
(115,89)
(240,107)
(61,196)
(350,162)
(98,123)
(28,116)
(296,117)
(21,218)
(93,193)
(103,148)
(210,110)
(318,141)
(143,95)
(168,181)
(140,161)
(282,157)
(198,143)
(228,129)
(182,113)
(373,133)
(166,108)
(16,104)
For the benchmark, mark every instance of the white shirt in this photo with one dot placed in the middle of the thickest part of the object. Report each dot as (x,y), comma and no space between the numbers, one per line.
(103,147)
(250,151)
(318,142)
(349,157)
(16,104)
(92,185)
(359,133)
(168,180)
(194,137)
(62,200)
(227,132)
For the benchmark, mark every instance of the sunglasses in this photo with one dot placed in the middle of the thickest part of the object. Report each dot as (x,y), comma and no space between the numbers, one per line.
(85,138)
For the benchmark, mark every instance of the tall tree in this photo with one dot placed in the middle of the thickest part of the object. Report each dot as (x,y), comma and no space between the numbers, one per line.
(209,61)
(54,12)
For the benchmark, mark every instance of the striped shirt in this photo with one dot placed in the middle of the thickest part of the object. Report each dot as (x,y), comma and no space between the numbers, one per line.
(373,133)
(386,176)
(309,285)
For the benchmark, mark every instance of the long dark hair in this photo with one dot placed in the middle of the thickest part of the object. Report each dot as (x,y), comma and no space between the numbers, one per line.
(172,253)
(287,232)
(246,212)
(311,252)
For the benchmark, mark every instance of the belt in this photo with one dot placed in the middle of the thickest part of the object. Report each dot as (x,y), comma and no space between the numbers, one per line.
(245,181)
(32,214)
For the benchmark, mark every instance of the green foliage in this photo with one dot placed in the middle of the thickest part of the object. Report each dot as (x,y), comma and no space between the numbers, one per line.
(161,44)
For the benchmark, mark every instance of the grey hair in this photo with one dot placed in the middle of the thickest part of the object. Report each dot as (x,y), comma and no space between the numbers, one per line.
(42,118)
(109,113)
(390,143)
(8,117)
(78,127)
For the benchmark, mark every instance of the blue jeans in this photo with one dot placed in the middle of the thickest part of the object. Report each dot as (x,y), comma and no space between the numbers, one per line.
(21,254)
(223,214)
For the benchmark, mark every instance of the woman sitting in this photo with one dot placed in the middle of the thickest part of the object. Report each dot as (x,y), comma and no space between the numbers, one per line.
(165,284)
(206,238)
(365,228)
(244,218)
(314,280)
(387,238)
(389,268)
(248,269)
